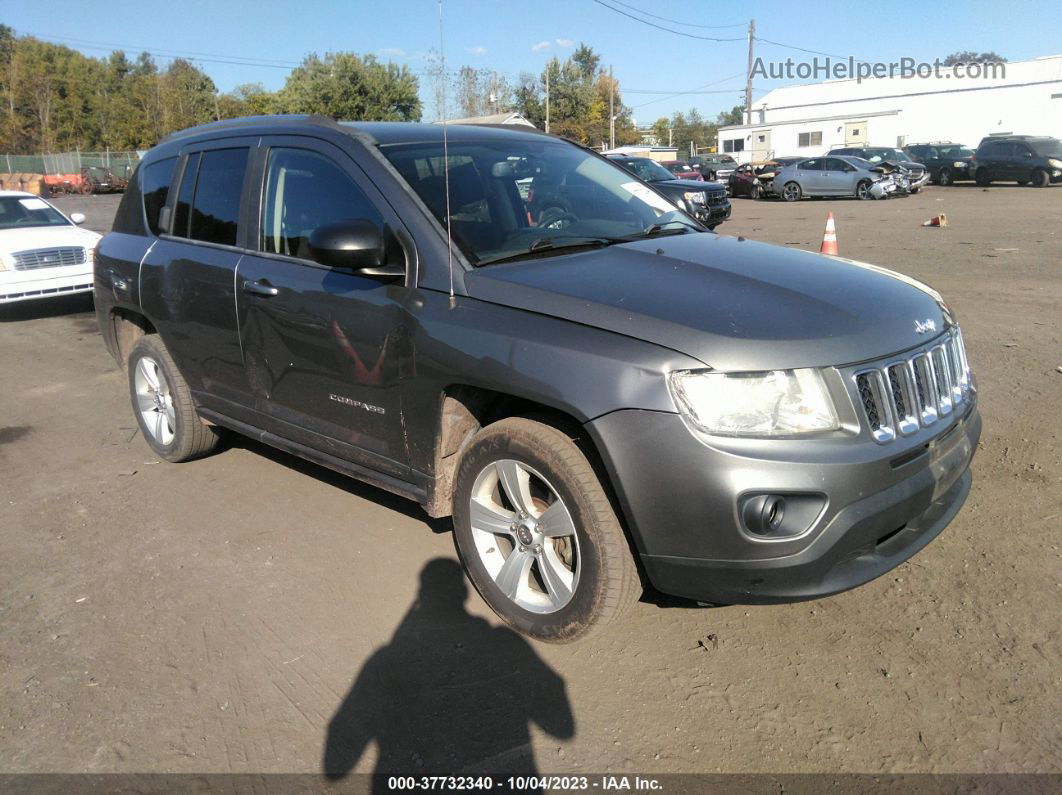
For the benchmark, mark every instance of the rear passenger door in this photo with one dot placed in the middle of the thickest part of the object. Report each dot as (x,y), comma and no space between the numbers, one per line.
(809,175)
(324,347)
(187,276)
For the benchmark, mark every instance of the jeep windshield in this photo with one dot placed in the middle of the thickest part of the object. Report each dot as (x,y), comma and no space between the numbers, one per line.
(513,198)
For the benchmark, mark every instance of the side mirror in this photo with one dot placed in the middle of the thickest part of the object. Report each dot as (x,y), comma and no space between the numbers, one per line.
(355,244)
(77,218)
(1028,154)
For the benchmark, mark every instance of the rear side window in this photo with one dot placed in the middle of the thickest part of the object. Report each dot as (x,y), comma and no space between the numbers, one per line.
(156,187)
(305,190)
(216,203)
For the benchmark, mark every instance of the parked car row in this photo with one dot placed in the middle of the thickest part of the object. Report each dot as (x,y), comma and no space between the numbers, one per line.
(874,172)
(1024,159)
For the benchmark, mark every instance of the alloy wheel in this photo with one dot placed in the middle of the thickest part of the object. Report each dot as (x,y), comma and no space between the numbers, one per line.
(524,536)
(154,400)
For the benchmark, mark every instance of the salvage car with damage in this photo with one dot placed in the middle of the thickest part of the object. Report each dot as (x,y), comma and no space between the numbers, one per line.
(614,401)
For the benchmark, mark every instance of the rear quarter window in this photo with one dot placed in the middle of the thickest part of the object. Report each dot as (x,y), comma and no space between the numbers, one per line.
(156,181)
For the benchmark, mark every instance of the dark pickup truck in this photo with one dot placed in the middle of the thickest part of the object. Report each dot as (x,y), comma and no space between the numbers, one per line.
(603,397)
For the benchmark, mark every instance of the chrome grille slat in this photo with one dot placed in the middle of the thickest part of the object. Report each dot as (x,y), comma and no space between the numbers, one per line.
(900,396)
(33,259)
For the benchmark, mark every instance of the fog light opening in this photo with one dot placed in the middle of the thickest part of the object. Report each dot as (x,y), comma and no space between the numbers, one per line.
(777,517)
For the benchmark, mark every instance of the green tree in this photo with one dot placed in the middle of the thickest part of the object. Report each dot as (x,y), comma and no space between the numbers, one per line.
(968,56)
(735,115)
(345,86)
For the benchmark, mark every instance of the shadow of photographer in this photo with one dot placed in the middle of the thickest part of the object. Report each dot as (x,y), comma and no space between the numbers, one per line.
(449,695)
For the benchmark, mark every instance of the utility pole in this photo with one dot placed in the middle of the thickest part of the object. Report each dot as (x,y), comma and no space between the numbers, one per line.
(611,112)
(547,96)
(748,76)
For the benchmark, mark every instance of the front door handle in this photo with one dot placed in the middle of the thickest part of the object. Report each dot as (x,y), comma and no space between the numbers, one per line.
(260,288)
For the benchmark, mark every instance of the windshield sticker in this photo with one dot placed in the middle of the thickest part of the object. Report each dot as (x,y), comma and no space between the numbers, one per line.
(648,196)
(34,204)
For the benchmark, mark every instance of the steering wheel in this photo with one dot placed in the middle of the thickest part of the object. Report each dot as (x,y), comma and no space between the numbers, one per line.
(556,218)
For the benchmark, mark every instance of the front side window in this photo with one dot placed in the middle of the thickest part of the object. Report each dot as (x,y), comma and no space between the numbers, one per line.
(1051,147)
(305,190)
(216,205)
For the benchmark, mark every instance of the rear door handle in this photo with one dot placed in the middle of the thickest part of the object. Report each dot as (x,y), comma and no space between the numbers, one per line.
(260,288)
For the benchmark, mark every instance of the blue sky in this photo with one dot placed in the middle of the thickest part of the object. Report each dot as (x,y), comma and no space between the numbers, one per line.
(513,36)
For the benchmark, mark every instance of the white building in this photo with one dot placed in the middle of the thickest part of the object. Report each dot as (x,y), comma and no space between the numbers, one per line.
(896,111)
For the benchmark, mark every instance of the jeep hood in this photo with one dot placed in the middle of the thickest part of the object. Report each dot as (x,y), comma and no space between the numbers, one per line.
(731,303)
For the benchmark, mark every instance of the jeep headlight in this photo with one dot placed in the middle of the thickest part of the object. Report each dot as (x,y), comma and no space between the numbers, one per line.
(774,403)
(1054,162)
(694,197)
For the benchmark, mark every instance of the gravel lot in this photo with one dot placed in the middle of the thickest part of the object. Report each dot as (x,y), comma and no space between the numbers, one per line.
(231,614)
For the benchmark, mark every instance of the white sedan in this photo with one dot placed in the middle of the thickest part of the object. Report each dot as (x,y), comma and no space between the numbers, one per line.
(43,253)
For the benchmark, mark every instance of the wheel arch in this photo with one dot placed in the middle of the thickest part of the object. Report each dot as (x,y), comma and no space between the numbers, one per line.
(464,409)
(128,327)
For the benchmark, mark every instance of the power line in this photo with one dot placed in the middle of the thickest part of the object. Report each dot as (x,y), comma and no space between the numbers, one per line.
(676,21)
(813,52)
(696,90)
(661,27)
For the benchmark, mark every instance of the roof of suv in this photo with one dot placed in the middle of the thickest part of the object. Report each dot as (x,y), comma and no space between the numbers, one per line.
(380,132)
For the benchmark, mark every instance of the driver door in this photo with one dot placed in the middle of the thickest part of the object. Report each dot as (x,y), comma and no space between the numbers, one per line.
(322,345)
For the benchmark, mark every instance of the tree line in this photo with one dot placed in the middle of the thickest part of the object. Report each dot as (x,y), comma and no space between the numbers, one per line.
(55,98)
(58,99)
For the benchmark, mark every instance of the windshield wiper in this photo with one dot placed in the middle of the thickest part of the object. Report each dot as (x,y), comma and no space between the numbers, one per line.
(555,245)
(660,229)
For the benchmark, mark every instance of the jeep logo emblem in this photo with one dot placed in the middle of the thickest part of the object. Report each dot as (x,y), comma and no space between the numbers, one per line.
(922,326)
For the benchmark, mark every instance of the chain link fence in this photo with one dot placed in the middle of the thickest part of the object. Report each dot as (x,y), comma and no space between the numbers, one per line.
(121,164)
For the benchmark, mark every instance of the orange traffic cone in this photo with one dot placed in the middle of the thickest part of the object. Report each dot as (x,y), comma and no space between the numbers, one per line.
(937,220)
(829,238)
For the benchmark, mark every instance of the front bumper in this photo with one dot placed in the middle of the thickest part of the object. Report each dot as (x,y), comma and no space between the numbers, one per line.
(680,498)
(44,283)
(713,213)
(918,182)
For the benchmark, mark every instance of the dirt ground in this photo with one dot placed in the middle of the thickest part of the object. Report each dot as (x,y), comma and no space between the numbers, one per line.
(234,614)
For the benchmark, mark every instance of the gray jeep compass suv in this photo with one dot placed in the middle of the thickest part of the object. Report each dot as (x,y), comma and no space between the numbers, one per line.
(603,397)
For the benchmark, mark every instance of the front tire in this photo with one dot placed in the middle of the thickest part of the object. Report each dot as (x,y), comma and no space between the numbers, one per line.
(944,177)
(537,533)
(1040,178)
(863,190)
(162,404)
(791,192)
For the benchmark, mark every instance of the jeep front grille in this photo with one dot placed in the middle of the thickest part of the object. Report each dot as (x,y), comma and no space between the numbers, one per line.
(900,396)
(48,258)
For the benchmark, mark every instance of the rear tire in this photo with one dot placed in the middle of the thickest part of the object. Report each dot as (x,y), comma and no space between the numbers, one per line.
(791,192)
(537,533)
(1040,178)
(162,404)
(756,192)
(982,177)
